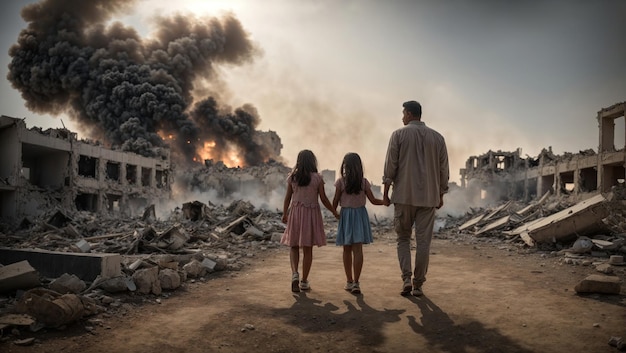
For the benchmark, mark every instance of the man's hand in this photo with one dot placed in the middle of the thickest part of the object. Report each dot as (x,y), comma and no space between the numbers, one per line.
(440,202)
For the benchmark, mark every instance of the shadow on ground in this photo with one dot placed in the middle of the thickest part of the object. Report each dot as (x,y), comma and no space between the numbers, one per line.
(442,333)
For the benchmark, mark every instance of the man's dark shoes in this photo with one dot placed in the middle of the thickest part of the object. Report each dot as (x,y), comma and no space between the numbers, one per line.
(406,288)
(417,292)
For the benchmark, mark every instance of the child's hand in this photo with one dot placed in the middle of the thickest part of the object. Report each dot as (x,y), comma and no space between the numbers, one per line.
(284,218)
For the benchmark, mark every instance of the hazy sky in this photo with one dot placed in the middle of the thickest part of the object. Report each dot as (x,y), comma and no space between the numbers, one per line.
(332,77)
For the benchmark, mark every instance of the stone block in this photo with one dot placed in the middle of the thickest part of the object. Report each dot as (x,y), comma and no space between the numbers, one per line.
(599,284)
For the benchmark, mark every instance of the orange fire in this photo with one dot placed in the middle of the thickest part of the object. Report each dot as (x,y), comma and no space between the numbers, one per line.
(229,157)
(229,154)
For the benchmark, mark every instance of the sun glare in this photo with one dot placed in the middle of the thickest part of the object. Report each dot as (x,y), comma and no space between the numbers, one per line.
(212,7)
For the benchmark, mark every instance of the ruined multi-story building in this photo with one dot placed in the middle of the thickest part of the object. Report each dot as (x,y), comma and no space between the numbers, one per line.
(506,175)
(44,169)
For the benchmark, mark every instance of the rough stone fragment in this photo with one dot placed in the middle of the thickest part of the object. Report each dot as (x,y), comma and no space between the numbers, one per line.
(599,284)
(169,279)
(118,284)
(194,269)
(68,284)
(147,280)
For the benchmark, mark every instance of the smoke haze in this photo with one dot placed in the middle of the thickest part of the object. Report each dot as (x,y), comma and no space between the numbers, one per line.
(136,93)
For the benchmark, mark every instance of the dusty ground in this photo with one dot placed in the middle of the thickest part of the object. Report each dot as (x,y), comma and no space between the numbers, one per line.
(479,297)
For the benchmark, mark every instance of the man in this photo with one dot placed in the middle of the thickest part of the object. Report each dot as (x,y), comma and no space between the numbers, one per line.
(417,166)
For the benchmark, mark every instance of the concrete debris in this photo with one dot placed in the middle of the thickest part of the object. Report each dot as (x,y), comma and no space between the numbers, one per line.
(151,255)
(617,260)
(16,319)
(195,211)
(604,268)
(582,245)
(581,219)
(618,343)
(82,246)
(67,284)
(25,342)
(19,275)
(554,220)
(195,269)
(118,284)
(147,281)
(54,309)
(169,279)
(599,284)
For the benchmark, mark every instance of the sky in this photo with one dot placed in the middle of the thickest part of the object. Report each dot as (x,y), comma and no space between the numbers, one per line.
(331,76)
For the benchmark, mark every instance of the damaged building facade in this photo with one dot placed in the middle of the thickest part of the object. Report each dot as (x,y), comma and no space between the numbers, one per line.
(41,169)
(507,176)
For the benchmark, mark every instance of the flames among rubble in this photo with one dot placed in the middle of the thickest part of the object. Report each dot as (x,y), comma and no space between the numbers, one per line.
(230,158)
(130,91)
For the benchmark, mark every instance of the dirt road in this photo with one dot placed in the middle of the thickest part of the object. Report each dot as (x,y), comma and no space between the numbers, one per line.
(479,297)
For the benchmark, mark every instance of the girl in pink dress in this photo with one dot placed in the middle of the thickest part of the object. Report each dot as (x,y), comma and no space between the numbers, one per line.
(354,228)
(305,227)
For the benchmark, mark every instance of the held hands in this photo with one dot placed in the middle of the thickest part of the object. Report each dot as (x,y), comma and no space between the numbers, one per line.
(386,201)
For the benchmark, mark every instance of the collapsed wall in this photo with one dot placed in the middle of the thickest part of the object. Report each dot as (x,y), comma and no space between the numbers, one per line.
(43,170)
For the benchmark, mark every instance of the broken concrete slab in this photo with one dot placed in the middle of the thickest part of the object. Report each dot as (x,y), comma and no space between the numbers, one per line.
(534,205)
(497,211)
(19,275)
(238,226)
(55,263)
(499,223)
(599,284)
(81,246)
(209,264)
(471,222)
(173,238)
(583,218)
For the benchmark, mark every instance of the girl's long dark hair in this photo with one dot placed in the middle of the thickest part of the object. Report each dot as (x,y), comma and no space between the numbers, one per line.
(352,173)
(305,165)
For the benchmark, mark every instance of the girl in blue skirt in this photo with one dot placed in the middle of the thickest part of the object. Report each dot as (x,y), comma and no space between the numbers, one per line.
(354,228)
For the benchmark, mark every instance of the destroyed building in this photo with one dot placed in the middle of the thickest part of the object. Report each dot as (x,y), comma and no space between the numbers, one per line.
(552,200)
(53,168)
(508,176)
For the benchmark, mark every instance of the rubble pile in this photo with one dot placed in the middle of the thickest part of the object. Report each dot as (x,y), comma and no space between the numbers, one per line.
(157,255)
(588,232)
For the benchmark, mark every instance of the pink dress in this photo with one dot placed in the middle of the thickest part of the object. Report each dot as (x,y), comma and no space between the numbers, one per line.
(305,226)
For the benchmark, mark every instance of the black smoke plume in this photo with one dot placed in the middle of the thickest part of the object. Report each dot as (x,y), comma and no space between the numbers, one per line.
(130,91)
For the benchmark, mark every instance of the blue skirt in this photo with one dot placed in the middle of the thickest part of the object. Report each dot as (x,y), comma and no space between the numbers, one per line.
(354,226)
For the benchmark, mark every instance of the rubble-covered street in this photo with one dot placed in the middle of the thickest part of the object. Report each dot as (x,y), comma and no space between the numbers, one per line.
(199,241)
